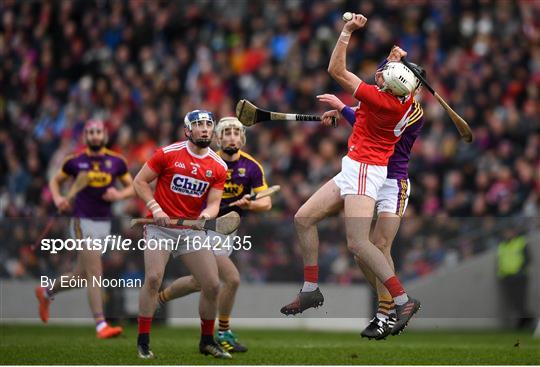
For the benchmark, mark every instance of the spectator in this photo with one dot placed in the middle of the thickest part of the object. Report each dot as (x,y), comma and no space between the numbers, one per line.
(141,65)
(512,261)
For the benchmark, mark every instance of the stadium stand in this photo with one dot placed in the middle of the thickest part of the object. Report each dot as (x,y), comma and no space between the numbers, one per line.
(141,65)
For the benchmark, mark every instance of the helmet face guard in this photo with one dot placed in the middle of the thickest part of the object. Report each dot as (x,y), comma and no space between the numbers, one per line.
(230,123)
(194,117)
(398,79)
(420,70)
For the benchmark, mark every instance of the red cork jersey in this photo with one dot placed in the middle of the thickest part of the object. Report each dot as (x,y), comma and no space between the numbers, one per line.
(184,179)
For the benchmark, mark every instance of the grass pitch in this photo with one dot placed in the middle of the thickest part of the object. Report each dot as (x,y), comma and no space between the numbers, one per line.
(76,345)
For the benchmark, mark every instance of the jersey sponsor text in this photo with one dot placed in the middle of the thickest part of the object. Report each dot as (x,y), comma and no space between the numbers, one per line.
(188,185)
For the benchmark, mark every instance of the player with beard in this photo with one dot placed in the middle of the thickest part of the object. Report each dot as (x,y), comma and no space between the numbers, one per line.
(244,175)
(190,179)
(91,215)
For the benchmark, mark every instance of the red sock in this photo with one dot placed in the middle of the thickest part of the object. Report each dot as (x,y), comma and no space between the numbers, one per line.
(311,273)
(145,324)
(207,327)
(394,287)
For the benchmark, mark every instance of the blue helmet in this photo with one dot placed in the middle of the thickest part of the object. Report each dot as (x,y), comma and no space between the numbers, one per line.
(198,115)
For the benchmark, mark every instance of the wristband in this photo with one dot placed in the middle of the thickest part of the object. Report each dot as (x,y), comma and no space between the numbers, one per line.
(150,203)
(153,206)
(157,210)
(349,115)
(344,37)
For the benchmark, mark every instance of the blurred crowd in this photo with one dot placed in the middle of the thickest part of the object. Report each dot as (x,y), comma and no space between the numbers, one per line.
(141,65)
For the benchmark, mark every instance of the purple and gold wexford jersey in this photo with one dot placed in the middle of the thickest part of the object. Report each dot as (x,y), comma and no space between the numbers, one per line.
(243,175)
(398,164)
(103,170)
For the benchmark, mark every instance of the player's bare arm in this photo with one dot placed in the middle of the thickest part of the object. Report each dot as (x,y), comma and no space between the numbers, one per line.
(212,204)
(113,194)
(141,185)
(61,202)
(260,205)
(335,103)
(338,66)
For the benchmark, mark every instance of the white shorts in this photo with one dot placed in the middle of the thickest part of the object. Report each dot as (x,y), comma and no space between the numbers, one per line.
(182,241)
(394,196)
(228,249)
(358,178)
(84,228)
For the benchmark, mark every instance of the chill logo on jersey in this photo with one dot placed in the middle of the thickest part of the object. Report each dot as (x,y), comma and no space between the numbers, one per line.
(188,185)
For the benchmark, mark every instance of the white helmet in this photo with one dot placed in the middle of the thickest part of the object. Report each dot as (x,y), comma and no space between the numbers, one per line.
(231,123)
(398,79)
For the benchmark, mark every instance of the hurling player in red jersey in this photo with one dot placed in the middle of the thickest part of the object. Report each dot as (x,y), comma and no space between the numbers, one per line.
(380,120)
(190,179)
(244,175)
(392,198)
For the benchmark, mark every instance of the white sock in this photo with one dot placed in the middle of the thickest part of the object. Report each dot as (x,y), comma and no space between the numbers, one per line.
(381,316)
(101,325)
(401,299)
(309,286)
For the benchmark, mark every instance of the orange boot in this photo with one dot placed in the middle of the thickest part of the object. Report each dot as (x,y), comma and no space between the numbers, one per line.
(109,332)
(44,303)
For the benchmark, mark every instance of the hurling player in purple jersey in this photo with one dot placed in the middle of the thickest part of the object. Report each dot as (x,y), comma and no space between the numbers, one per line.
(391,202)
(91,213)
(244,176)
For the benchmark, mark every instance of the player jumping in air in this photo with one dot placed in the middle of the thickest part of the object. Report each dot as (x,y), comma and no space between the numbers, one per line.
(91,215)
(189,176)
(391,202)
(381,118)
(244,174)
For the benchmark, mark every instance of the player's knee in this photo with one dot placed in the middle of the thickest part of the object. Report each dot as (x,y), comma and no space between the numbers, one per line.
(153,281)
(210,289)
(302,220)
(382,243)
(194,284)
(355,246)
(232,281)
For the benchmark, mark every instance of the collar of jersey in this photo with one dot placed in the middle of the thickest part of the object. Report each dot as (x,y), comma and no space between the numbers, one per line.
(92,153)
(196,155)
